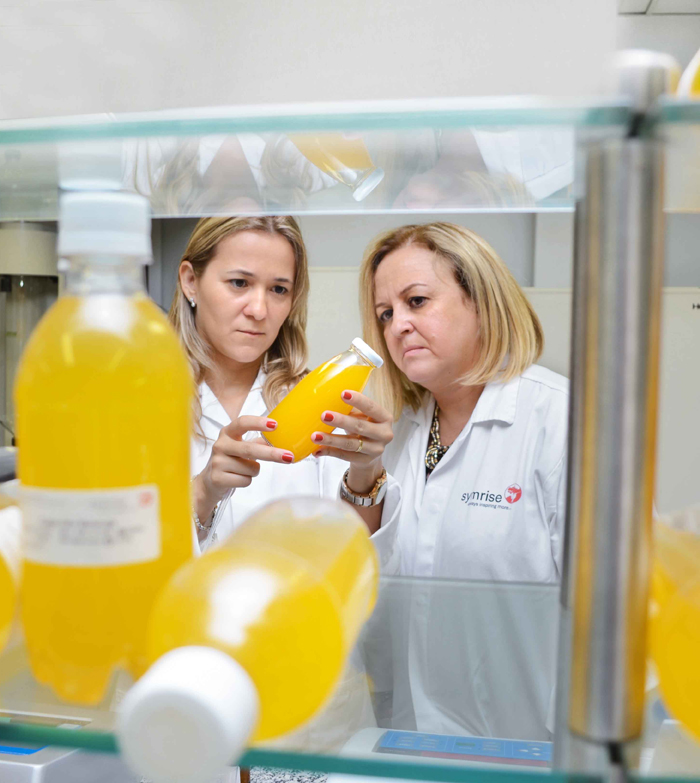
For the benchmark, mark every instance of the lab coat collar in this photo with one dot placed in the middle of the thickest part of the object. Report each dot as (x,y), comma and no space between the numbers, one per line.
(254,404)
(498,402)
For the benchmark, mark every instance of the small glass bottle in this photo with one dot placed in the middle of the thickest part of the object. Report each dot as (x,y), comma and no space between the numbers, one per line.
(298,415)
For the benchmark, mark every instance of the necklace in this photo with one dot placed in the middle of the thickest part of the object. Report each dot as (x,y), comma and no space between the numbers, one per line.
(436,451)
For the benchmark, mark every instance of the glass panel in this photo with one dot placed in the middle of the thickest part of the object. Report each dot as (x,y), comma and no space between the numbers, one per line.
(474,660)
(451,681)
(680,131)
(446,155)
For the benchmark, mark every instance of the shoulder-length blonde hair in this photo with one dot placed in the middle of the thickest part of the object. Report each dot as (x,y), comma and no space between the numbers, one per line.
(285,360)
(510,333)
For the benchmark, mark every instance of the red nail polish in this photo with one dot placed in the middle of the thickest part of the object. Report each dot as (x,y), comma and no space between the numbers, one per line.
(271,424)
(328,417)
(317,437)
(288,458)
(347,395)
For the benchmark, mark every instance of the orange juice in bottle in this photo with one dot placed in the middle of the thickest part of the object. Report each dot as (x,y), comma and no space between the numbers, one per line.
(298,415)
(10,524)
(342,156)
(675,615)
(250,639)
(103,397)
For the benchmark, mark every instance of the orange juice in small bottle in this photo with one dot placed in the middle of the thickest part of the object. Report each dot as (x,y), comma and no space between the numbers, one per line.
(299,413)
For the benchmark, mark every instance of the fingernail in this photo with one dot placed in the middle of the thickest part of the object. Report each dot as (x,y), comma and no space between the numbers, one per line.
(317,437)
(271,424)
(347,395)
(328,417)
(288,458)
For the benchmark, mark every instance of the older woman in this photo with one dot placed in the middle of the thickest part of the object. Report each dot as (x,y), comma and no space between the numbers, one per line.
(480,452)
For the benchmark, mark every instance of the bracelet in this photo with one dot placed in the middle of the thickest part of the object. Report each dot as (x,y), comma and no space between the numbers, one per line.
(200,527)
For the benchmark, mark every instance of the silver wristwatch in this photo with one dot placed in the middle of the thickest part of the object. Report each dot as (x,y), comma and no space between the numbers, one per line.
(373,498)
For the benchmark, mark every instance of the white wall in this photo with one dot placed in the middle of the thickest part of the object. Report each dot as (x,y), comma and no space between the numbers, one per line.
(675,34)
(63,57)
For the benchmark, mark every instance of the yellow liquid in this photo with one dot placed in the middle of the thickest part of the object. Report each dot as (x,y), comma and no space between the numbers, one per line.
(9,570)
(299,413)
(103,398)
(8,600)
(334,152)
(285,596)
(675,622)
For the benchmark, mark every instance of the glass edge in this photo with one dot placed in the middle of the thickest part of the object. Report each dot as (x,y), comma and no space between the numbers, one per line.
(452,773)
(675,111)
(105,742)
(592,115)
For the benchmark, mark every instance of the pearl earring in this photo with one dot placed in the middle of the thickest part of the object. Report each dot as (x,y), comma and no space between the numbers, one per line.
(192,302)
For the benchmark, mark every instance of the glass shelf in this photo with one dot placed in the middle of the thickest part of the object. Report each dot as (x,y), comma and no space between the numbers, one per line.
(488,686)
(679,128)
(446,155)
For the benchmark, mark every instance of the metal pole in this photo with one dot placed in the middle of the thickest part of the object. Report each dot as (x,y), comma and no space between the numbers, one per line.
(616,324)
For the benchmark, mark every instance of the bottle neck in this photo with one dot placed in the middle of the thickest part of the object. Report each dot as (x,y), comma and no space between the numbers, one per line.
(104,274)
(363,358)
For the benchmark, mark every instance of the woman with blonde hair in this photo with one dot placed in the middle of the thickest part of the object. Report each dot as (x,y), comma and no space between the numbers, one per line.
(240,310)
(479,450)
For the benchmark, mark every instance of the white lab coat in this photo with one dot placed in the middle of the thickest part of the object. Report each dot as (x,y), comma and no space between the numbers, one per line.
(478,658)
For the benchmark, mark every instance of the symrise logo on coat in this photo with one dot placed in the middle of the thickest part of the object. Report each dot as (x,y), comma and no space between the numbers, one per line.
(488,499)
(513,493)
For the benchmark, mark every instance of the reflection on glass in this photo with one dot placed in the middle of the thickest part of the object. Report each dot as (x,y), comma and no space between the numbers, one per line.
(344,157)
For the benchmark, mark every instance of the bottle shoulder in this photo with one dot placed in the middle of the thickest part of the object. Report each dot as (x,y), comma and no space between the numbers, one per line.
(105,331)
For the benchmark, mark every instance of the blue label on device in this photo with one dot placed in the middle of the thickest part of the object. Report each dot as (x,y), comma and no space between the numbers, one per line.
(476,748)
(13,751)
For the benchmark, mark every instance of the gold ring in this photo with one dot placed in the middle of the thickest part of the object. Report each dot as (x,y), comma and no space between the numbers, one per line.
(360,445)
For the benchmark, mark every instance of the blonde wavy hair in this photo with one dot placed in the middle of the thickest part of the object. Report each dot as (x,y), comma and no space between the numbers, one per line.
(510,333)
(285,360)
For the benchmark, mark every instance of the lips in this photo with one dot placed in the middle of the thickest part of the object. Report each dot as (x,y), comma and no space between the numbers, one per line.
(411,350)
(251,334)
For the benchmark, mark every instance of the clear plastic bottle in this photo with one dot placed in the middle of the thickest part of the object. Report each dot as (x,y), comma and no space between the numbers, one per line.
(10,526)
(103,400)
(298,415)
(254,637)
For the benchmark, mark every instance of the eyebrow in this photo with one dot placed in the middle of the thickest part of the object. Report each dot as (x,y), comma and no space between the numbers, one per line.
(246,273)
(402,292)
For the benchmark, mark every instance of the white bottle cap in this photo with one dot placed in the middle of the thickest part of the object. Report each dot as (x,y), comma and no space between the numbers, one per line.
(188,717)
(367,352)
(104,224)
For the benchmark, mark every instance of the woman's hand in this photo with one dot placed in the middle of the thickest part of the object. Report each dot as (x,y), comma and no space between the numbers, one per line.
(234,462)
(368,432)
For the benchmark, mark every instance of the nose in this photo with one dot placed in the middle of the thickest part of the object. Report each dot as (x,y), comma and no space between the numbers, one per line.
(256,306)
(401,323)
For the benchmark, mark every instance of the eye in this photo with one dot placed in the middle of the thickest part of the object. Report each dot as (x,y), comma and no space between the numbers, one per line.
(239,282)
(417,301)
(280,289)
(385,316)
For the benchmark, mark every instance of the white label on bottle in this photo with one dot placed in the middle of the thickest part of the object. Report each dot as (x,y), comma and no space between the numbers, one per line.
(91,527)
